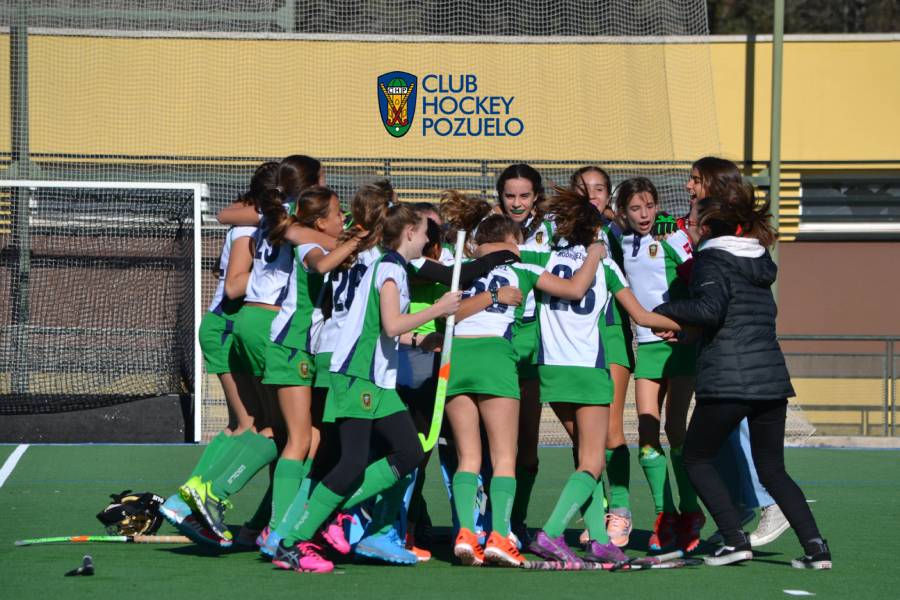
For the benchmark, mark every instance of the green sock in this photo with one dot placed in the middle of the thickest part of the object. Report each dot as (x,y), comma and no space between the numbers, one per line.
(575,493)
(502,494)
(653,462)
(285,527)
(321,504)
(465,488)
(388,507)
(378,477)
(618,471)
(524,484)
(285,483)
(595,515)
(210,453)
(687,497)
(226,453)
(263,512)
(257,452)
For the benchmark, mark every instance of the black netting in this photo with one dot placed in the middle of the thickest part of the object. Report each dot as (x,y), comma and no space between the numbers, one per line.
(98,299)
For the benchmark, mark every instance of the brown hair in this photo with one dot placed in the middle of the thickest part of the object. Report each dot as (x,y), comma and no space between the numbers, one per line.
(398,217)
(368,209)
(264,178)
(313,204)
(496,228)
(715,171)
(574,216)
(578,178)
(733,210)
(461,212)
(629,188)
(295,173)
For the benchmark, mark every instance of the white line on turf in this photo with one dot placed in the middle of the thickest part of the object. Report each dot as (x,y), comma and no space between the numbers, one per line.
(798,593)
(11,463)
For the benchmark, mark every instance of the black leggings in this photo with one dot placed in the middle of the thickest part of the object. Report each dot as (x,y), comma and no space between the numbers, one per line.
(396,431)
(711,423)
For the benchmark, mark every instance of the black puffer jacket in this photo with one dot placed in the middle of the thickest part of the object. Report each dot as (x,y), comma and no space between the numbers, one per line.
(731,299)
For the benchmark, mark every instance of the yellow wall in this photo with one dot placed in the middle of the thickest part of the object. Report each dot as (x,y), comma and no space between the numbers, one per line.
(841,100)
(260,97)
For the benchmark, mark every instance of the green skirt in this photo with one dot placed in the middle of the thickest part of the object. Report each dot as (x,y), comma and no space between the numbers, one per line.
(251,333)
(483,366)
(659,360)
(577,385)
(361,399)
(288,366)
(216,343)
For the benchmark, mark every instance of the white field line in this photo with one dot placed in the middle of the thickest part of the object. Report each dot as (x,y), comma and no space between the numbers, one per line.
(11,463)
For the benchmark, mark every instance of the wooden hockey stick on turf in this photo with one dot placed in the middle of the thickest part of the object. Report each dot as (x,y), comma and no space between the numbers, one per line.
(440,395)
(128,539)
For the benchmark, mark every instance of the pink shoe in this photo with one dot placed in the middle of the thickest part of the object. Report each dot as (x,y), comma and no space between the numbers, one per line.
(305,557)
(333,533)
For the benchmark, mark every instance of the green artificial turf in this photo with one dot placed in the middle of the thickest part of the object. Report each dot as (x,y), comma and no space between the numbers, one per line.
(57,490)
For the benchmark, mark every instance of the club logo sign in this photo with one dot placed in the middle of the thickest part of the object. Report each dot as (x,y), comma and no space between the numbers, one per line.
(397,93)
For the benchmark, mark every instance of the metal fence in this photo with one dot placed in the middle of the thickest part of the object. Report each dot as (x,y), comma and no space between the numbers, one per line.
(845,384)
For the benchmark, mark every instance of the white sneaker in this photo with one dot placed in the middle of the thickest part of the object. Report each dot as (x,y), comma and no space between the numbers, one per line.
(772,524)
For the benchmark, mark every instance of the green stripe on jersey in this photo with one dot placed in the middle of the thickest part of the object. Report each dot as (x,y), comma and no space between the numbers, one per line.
(309,286)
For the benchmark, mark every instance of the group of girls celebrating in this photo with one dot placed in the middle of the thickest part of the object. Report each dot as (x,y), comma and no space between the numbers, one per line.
(324,331)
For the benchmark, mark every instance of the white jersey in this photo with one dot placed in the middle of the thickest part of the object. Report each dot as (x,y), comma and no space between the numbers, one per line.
(570,330)
(272,267)
(650,267)
(498,320)
(539,241)
(232,235)
(302,284)
(344,285)
(363,350)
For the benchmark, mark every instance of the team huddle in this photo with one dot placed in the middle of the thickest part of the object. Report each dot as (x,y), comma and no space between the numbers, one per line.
(325,332)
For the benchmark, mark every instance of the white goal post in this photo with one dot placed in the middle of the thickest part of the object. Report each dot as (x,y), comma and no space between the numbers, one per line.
(200,192)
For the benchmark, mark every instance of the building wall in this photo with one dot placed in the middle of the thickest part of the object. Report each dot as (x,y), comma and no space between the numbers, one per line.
(847,288)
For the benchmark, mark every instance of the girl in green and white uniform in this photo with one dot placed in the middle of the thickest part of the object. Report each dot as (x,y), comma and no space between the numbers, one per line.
(594,182)
(289,361)
(520,193)
(483,384)
(363,380)
(664,372)
(266,290)
(574,375)
(216,343)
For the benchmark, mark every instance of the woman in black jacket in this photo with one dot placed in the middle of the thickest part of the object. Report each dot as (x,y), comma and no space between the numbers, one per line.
(740,368)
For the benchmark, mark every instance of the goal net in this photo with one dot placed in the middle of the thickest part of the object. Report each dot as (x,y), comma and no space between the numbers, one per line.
(98,300)
(433,94)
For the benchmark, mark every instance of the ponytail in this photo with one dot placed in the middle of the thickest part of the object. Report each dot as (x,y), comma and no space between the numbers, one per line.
(275,217)
(574,216)
(368,209)
(460,212)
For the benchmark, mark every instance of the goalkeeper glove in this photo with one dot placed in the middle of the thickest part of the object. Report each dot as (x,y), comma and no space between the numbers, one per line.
(665,224)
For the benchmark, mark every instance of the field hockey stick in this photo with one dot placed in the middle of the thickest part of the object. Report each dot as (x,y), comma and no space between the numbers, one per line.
(127,539)
(669,560)
(559,565)
(675,563)
(440,395)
